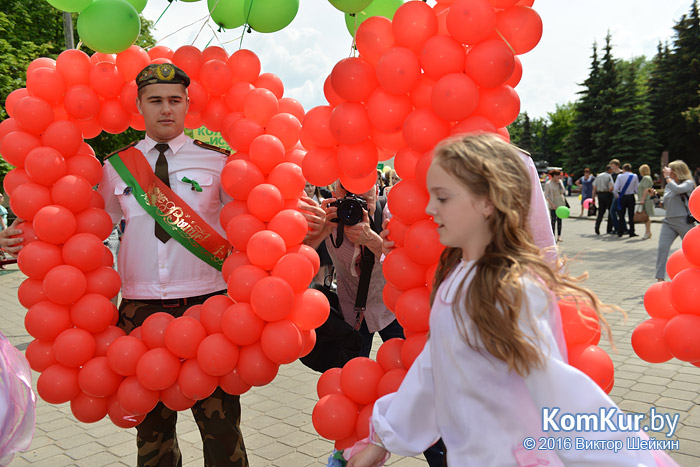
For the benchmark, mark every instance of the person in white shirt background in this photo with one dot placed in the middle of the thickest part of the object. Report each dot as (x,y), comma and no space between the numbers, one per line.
(496,356)
(625,200)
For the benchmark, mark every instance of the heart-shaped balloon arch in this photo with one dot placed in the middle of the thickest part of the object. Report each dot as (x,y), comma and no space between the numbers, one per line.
(428,74)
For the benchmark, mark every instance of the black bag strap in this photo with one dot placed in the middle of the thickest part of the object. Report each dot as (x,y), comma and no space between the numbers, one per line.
(366,266)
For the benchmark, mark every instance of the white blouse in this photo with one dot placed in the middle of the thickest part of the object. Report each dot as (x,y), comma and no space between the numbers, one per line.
(481,410)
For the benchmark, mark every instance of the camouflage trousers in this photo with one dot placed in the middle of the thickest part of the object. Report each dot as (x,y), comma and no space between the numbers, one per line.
(218,417)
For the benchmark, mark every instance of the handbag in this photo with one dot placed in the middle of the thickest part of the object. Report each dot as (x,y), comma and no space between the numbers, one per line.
(592,210)
(689,217)
(640,216)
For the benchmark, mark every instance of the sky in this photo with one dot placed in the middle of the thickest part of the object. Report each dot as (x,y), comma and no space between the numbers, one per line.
(304,53)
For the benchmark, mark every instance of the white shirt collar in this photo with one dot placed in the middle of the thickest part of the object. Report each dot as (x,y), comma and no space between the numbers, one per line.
(175,144)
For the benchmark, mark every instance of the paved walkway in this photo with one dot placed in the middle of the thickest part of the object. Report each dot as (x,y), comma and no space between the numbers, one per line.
(277,418)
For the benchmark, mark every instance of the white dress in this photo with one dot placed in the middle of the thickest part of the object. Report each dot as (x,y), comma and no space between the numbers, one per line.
(482,411)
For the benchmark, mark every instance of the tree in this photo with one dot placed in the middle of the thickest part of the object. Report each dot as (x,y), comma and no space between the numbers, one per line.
(608,99)
(561,124)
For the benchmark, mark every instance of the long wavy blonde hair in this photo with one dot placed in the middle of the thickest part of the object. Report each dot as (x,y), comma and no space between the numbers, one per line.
(489,167)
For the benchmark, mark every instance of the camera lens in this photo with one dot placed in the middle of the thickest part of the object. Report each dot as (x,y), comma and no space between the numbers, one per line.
(350,212)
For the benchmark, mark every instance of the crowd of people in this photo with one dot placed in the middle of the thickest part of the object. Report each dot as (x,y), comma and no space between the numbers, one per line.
(496,352)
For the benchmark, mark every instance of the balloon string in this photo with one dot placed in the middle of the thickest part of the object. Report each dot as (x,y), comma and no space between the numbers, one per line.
(205,22)
(353,46)
(181,29)
(505,40)
(246,25)
(161,15)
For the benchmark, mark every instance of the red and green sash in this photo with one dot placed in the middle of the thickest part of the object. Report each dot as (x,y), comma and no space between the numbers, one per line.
(169,210)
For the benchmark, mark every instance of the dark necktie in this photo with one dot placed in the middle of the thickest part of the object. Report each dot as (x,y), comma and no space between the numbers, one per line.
(162,173)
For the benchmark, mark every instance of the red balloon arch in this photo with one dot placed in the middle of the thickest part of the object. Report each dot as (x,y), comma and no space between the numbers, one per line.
(428,74)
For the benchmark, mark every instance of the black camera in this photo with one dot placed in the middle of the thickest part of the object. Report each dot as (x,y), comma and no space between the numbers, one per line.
(350,209)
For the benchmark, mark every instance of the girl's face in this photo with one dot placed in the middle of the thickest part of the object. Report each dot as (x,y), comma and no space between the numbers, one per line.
(461,216)
(309,189)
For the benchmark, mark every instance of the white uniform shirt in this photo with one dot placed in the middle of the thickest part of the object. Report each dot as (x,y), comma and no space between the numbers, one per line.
(483,411)
(150,269)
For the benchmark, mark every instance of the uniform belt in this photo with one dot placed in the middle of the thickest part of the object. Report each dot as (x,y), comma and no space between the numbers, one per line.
(177,302)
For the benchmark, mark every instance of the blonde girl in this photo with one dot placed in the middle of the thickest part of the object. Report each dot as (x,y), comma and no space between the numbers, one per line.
(495,362)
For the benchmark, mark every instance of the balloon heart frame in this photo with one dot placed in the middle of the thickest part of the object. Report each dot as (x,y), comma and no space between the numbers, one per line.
(428,74)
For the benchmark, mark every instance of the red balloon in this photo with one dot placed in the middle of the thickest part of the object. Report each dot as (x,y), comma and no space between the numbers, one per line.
(173,398)
(92,312)
(454,97)
(118,415)
(471,21)
(58,384)
(359,380)
(190,59)
(694,203)
(265,249)
(412,348)
(30,292)
(88,409)
(157,369)
(413,24)
(264,201)
(442,55)
(16,145)
(413,310)
(44,165)
(106,80)
(232,383)
(390,295)
(292,106)
(359,185)
(648,341)
(12,99)
(214,53)
(270,82)
(212,311)
(54,224)
(329,93)
(183,336)
(96,378)
(266,151)
(403,273)
(473,124)
(46,84)
(38,258)
(329,383)
(153,329)
(272,298)
(254,367)
(405,162)
(680,337)
(288,178)
(422,242)
(103,280)
(490,63)
(309,340)
(373,37)
(64,284)
(74,347)
(131,61)
(407,201)
(691,246)
(290,225)
(581,326)
(63,136)
(113,118)
(295,269)
(398,70)
(134,398)
(389,354)
(72,192)
(231,210)
(241,281)
(310,310)
(160,51)
(353,79)
(95,221)
(520,27)
(239,177)
(685,292)
(315,130)
(216,77)
(82,102)
(105,338)
(241,228)
(86,166)
(8,126)
(124,354)
(657,301)
(84,251)
(40,355)
(245,65)
(676,263)
(320,166)
(422,129)
(259,105)
(214,113)
(285,127)
(127,98)
(74,65)
(334,417)
(33,115)
(387,111)
(13,179)
(241,325)
(358,160)
(281,341)
(349,123)
(217,356)
(594,362)
(499,105)
(46,320)
(391,381)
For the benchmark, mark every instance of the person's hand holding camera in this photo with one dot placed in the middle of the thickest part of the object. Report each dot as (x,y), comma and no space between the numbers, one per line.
(317,219)
(362,234)
(387,245)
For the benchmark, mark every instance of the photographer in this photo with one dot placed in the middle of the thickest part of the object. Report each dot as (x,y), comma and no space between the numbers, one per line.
(349,225)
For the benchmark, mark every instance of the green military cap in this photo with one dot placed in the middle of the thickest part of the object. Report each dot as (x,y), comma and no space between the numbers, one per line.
(162,73)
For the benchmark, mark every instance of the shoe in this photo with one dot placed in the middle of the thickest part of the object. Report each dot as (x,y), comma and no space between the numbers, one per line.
(597,232)
(633,235)
(646,237)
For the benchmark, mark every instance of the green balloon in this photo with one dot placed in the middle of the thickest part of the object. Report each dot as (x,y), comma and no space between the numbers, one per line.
(270,15)
(350,6)
(70,5)
(189,1)
(109,26)
(227,13)
(562,212)
(138,4)
(385,8)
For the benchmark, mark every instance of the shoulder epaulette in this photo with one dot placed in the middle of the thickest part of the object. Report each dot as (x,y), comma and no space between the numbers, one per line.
(132,144)
(211,147)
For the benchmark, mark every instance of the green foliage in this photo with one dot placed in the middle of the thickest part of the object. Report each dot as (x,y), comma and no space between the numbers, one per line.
(560,127)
